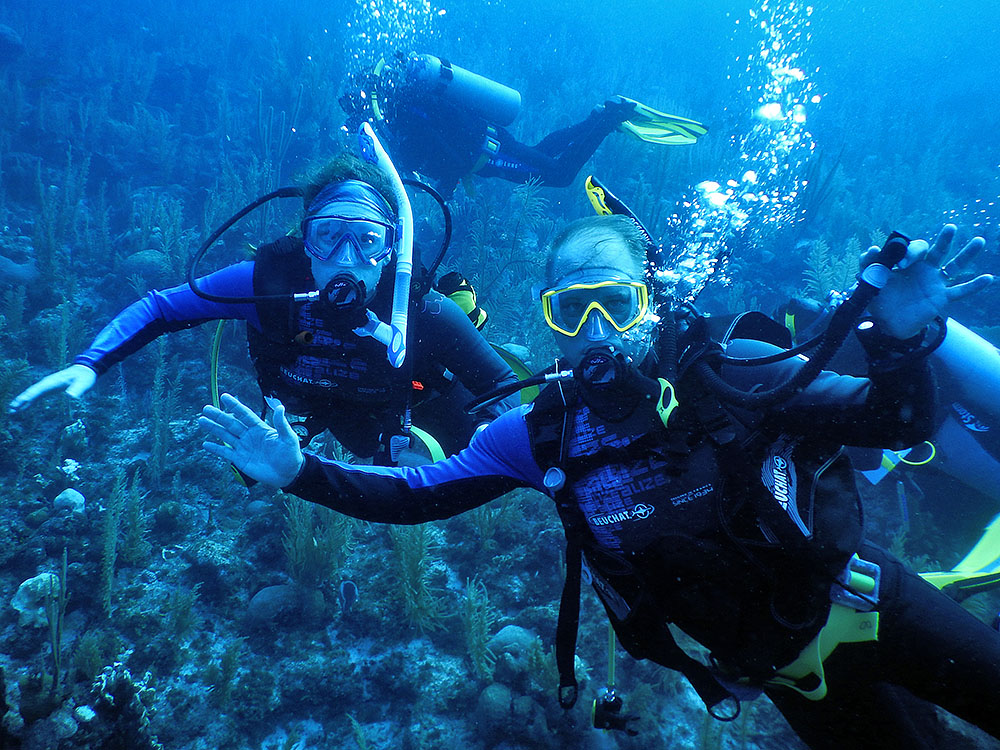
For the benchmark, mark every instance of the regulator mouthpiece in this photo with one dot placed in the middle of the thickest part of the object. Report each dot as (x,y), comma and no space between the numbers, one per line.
(343,294)
(601,368)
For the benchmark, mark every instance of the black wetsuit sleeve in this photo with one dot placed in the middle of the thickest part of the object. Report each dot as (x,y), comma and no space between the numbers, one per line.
(497,461)
(892,409)
(450,340)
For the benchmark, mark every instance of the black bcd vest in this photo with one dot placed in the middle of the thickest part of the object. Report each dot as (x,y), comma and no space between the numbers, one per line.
(744,580)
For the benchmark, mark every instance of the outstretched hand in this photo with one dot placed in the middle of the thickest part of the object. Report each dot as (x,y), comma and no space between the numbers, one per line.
(923,284)
(75,380)
(266,452)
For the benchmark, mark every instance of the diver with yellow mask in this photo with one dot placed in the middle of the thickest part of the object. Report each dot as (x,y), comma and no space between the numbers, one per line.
(704,484)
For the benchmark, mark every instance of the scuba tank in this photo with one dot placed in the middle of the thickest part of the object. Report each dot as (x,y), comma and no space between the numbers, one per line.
(493,101)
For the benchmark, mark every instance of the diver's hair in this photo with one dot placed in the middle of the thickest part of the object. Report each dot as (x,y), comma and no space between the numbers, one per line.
(346,166)
(616,224)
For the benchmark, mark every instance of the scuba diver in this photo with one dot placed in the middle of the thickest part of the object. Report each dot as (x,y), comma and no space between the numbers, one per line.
(704,485)
(966,439)
(327,354)
(446,123)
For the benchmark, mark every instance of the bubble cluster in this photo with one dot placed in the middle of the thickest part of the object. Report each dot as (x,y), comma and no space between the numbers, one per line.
(769,174)
(379,28)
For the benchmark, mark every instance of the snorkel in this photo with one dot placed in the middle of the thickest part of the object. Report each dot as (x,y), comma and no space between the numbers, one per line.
(393,334)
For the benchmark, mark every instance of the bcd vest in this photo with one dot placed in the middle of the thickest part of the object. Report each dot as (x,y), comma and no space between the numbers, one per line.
(310,361)
(689,524)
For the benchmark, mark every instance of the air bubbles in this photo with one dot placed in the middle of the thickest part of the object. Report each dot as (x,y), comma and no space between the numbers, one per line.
(770,111)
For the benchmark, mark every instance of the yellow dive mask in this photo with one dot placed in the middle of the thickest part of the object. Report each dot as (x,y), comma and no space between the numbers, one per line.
(622,303)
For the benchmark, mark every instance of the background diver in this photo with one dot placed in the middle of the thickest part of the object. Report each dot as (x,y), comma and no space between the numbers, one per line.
(314,355)
(446,123)
(671,476)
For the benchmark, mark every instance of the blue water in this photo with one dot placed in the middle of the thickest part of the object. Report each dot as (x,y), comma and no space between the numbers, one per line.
(128,131)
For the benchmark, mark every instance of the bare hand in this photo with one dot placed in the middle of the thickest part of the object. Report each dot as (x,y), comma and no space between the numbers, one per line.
(922,284)
(75,380)
(267,452)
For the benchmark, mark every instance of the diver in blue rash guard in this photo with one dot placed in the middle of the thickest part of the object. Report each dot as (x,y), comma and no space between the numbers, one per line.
(734,518)
(308,354)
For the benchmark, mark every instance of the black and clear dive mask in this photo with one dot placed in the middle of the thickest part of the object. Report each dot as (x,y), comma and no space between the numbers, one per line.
(623,304)
(371,240)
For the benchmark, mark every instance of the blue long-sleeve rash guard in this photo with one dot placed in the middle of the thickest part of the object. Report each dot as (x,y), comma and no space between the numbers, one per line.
(884,409)
(169,310)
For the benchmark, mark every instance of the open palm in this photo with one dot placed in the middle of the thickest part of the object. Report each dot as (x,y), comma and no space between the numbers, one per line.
(267,452)
(921,286)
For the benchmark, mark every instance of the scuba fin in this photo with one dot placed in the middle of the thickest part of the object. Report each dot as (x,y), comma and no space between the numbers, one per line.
(652,126)
(456,287)
(978,571)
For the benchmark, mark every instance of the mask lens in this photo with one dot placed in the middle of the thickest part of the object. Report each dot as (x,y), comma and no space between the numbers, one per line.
(621,303)
(324,234)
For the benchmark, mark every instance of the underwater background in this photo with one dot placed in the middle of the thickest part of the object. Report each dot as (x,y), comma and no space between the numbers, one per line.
(188,612)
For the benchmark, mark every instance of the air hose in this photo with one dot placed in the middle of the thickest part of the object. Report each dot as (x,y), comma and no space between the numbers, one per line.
(486,400)
(284,192)
(870,282)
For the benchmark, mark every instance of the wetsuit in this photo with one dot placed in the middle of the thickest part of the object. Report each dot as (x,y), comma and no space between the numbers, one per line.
(316,364)
(443,141)
(673,528)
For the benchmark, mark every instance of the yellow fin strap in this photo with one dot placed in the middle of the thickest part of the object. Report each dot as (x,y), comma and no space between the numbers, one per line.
(927,460)
(665,406)
(843,625)
(430,443)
